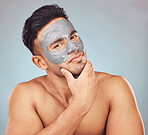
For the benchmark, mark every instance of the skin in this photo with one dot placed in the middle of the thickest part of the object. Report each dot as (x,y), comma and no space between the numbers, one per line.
(56,41)
(88,103)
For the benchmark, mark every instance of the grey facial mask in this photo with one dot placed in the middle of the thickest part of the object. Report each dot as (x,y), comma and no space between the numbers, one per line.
(59,29)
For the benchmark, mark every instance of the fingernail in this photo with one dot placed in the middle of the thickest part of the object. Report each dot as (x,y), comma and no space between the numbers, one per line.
(63,70)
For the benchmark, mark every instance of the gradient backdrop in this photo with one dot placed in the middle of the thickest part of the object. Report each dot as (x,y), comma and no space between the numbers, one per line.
(115,34)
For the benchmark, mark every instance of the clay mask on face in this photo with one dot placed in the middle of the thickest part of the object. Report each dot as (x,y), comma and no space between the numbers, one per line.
(60,29)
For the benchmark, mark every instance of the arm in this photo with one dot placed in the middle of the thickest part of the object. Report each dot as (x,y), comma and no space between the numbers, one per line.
(124,117)
(23,118)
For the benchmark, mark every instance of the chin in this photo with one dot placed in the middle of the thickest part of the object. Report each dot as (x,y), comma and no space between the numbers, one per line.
(76,73)
(76,70)
(75,67)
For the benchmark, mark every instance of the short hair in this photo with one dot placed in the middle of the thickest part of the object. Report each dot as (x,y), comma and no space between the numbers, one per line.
(37,21)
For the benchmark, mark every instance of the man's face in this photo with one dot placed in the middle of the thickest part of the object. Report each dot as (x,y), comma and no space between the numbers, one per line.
(62,46)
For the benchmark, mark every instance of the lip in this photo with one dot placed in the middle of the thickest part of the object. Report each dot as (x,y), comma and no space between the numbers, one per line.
(76,58)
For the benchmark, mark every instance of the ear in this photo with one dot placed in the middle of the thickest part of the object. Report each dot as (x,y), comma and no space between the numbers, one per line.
(39,62)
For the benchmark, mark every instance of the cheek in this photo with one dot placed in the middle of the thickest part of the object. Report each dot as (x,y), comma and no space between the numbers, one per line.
(56,57)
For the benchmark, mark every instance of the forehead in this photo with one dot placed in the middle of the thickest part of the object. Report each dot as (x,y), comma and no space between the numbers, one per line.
(59,26)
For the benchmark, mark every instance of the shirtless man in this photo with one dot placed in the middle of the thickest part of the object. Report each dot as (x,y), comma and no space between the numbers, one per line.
(72,99)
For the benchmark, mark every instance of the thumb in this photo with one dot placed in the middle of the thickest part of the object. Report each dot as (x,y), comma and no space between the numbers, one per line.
(69,77)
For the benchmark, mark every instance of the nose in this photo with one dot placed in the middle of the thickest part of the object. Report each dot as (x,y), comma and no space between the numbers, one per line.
(70,46)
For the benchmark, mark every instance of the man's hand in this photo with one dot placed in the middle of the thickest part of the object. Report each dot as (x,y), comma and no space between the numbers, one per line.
(84,88)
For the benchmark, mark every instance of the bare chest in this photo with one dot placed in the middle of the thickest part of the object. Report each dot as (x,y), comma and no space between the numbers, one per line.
(92,124)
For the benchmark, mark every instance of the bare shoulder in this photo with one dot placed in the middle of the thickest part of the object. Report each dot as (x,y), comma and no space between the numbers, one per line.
(26,94)
(123,110)
(103,76)
(21,108)
(114,87)
(26,90)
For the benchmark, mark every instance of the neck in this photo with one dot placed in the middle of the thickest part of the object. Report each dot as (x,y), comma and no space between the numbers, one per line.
(58,88)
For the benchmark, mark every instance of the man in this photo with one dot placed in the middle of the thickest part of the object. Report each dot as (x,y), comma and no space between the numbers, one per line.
(72,98)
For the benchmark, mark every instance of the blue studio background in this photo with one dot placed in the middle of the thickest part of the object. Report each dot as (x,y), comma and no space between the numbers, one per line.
(115,34)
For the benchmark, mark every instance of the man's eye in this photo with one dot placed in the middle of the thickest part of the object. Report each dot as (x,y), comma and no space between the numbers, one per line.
(73,37)
(58,45)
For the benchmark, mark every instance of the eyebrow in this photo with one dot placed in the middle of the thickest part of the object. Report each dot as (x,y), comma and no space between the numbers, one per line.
(72,32)
(56,41)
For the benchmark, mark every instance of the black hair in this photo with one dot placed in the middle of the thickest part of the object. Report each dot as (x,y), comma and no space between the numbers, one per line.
(38,20)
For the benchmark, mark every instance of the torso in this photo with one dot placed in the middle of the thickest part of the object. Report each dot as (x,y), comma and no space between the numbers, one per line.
(48,108)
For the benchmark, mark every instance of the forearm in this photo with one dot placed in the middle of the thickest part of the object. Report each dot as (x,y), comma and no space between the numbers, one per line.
(67,121)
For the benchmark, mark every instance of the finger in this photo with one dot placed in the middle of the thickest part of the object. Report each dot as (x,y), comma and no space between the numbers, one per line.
(87,67)
(91,71)
(67,74)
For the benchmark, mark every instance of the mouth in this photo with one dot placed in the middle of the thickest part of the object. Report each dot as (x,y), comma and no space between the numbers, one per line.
(77,58)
